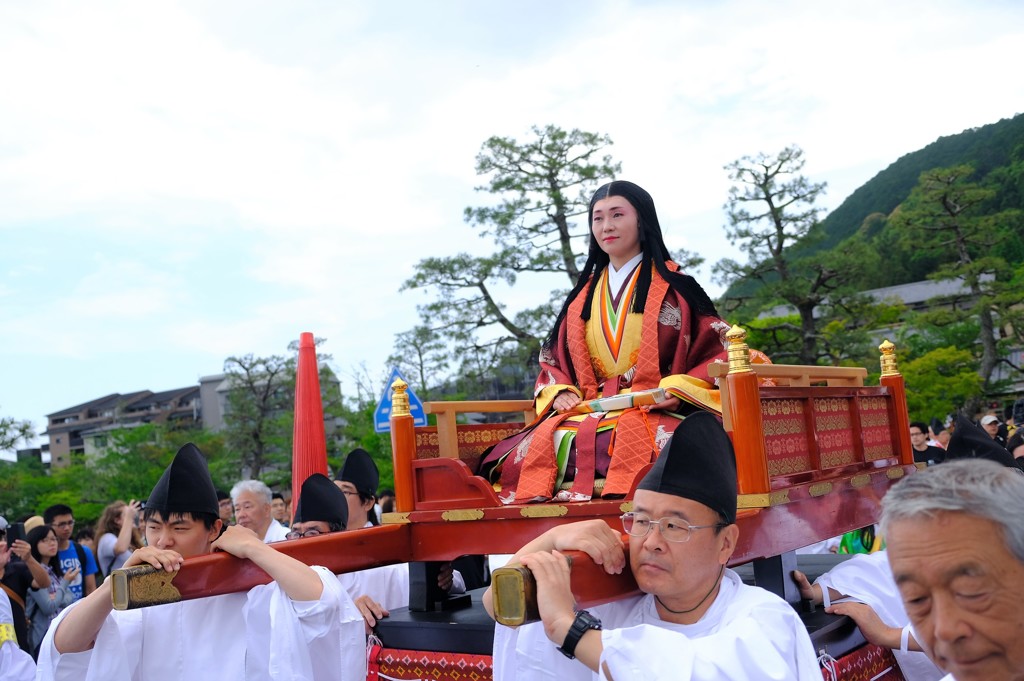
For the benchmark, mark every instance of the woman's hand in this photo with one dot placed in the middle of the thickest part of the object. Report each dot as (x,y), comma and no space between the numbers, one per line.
(565,400)
(130,512)
(71,575)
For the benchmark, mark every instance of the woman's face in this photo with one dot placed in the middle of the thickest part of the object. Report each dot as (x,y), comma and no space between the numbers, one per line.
(616,228)
(47,546)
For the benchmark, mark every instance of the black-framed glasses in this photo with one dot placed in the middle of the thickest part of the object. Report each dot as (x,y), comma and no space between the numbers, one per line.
(312,532)
(66,523)
(672,529)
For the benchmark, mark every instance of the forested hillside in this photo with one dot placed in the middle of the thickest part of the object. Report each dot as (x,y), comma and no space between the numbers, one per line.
(995,152)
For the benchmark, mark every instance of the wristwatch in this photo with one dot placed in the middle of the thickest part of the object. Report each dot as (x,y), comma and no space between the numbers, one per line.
(583,623)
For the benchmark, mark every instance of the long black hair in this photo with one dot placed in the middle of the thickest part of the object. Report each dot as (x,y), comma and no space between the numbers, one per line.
(652,245)
(38,534)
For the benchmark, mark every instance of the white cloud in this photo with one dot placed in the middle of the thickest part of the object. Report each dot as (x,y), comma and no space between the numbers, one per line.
(214,179)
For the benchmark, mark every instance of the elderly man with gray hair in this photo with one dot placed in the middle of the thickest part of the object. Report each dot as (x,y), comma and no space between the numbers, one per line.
(252,510)
(956,549)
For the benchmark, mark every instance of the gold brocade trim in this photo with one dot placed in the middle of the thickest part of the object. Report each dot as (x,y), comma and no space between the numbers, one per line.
(894,473)
(394,519)
(787,466)
(7,634)
(860,480)
(790,426)
(820,489)
(550,511)
(878,452)
(462,514)
(785,407)
(834,459)
(626,506)
(874,420)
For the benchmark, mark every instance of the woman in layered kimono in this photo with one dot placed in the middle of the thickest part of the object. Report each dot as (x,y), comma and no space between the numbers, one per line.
(633,324)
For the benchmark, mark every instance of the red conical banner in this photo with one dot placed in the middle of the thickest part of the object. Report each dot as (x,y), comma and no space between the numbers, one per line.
(309,445)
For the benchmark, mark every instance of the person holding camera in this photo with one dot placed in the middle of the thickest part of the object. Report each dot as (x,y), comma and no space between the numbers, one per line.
(118,528)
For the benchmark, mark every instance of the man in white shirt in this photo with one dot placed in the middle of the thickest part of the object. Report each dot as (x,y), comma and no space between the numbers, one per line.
(697,620)
(253,510)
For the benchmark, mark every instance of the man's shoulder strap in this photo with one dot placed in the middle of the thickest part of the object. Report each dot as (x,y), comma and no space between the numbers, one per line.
(81,555)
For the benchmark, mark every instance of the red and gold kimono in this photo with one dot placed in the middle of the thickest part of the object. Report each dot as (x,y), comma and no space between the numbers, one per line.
(616,351)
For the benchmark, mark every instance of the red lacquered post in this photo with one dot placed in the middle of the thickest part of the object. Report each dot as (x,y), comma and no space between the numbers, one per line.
(309,443)
(403,446)
(893,380)
(744,403)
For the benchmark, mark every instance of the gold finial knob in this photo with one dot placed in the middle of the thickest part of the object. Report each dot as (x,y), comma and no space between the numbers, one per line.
(888,359)
(399,398)
(739,351)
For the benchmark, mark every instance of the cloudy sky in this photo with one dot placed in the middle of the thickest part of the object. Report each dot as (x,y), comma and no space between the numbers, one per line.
(185,181)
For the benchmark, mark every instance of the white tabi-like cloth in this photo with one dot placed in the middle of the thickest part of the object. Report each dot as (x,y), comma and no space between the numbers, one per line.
(15,663)
(275,532)
(867,578)
(748,633)
(261,635)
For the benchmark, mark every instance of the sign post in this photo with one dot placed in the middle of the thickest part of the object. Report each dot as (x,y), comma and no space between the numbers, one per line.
(382,414)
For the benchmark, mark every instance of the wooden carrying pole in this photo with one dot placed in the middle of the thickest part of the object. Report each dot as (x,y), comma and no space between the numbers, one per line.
(214,574)
(514,589)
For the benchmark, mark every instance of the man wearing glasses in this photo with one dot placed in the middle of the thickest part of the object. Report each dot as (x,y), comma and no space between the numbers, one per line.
(924,452)
(71,554)
(697,620)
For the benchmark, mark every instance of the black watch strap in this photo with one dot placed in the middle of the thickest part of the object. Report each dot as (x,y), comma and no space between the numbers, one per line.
(583,623)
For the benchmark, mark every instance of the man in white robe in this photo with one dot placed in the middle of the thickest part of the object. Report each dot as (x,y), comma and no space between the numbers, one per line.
(322,509)
(697,620)
(300,626)
(15,663)
(956,550)
(863,589)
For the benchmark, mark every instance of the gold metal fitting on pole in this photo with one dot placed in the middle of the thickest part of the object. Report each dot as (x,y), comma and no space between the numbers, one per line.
(400,398)
(888,359)
(739,351)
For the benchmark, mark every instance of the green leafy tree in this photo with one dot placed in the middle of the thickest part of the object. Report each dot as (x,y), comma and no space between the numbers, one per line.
(940,380)
(949,215)
(423,357)
(13,431)
(544,186)
(260,415)
(807,309)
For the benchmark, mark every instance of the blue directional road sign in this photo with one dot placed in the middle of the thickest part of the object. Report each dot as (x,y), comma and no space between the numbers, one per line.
(382,414)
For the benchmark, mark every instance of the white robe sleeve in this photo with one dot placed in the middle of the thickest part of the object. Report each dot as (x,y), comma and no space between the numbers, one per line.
(119,641)
(868,579)
(766,644)
(525,653)
(321,639)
